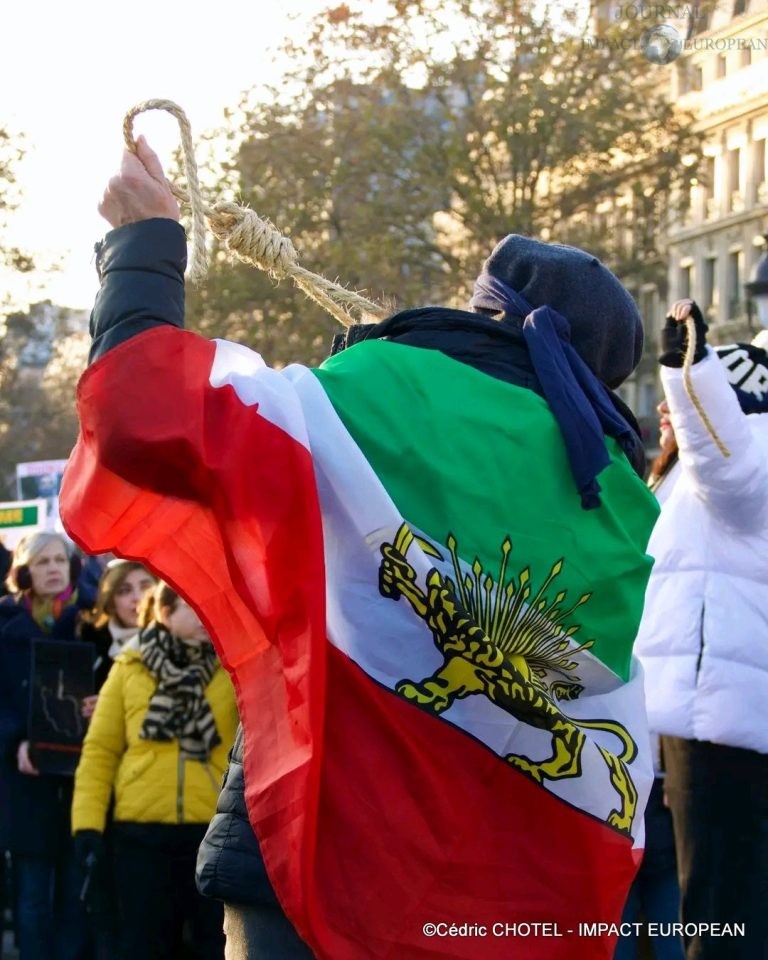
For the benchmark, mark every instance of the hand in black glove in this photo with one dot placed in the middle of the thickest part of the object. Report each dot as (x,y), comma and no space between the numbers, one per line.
(89,852)
(674,336)
(88,843)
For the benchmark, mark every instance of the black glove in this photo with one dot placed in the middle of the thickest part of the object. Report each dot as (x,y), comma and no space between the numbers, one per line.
(89,852)
(674,339)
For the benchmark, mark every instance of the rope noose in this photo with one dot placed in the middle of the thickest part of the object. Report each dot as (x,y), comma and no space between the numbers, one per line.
(250,238)
(690,350)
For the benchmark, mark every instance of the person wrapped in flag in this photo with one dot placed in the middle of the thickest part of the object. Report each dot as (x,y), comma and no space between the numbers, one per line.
(423,564)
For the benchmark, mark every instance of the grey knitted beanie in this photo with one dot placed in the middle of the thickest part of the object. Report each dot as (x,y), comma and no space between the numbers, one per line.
(606,327)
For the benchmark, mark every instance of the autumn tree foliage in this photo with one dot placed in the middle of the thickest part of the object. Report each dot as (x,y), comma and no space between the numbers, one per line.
(397,151)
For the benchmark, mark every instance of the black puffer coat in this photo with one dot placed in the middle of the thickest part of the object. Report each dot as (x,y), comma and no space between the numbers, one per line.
(34,811)
(229,863)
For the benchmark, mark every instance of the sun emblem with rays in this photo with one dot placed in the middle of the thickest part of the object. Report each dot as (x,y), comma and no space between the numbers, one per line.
(521,623)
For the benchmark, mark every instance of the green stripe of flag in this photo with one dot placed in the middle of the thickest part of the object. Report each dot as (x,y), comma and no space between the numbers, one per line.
(498,454)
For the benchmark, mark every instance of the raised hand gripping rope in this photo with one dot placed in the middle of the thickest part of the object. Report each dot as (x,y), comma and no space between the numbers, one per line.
(690,351)
(250,238)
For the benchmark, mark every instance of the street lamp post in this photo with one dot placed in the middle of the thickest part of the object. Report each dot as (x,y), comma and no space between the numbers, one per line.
(756,289)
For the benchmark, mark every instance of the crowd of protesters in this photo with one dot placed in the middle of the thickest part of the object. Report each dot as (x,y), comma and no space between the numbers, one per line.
(103,863)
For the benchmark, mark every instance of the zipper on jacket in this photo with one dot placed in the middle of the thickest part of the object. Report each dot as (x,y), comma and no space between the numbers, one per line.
(180,790)
(701,643)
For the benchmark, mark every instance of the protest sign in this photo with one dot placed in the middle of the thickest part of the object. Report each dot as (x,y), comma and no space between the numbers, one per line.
(20,517)
(62,675)
(42,478)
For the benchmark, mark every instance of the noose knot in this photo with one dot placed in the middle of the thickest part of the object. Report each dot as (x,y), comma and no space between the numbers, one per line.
(252,239)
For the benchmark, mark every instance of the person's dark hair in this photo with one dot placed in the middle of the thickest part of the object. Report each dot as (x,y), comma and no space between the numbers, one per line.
(154,601)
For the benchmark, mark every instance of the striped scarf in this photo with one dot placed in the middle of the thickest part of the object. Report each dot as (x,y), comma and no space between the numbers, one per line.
(178,709)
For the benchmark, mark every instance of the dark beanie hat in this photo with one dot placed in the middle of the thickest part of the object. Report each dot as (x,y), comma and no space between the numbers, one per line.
(606,327)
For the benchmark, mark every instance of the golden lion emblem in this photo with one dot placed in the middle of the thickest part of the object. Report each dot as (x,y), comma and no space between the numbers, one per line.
(503,643)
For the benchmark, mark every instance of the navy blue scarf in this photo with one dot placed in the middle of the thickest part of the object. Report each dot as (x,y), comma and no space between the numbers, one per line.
(580,403)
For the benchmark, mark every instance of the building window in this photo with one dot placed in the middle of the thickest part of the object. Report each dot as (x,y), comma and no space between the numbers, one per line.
(746,56)
(739,7)
(709,287)
(721,65)
(761,174)
(685,282)
(735,201)
(697,78)
(709,178)
(690,202)
(734,284)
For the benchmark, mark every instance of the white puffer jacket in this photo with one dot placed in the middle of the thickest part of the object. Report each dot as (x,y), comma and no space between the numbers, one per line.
(703,639)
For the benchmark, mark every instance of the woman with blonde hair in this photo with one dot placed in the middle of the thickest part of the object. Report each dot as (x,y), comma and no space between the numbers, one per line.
(35,824)
(158,742)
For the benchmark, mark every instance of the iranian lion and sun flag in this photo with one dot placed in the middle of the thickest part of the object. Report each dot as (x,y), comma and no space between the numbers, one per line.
(430,639)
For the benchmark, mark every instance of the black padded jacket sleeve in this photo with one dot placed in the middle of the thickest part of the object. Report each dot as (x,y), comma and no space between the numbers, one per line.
(141,268)
(229,862)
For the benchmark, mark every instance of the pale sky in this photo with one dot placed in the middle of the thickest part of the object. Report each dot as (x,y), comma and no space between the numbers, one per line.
(68,73)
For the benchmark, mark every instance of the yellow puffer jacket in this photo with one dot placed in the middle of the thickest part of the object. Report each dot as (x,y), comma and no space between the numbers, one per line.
(152,783)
